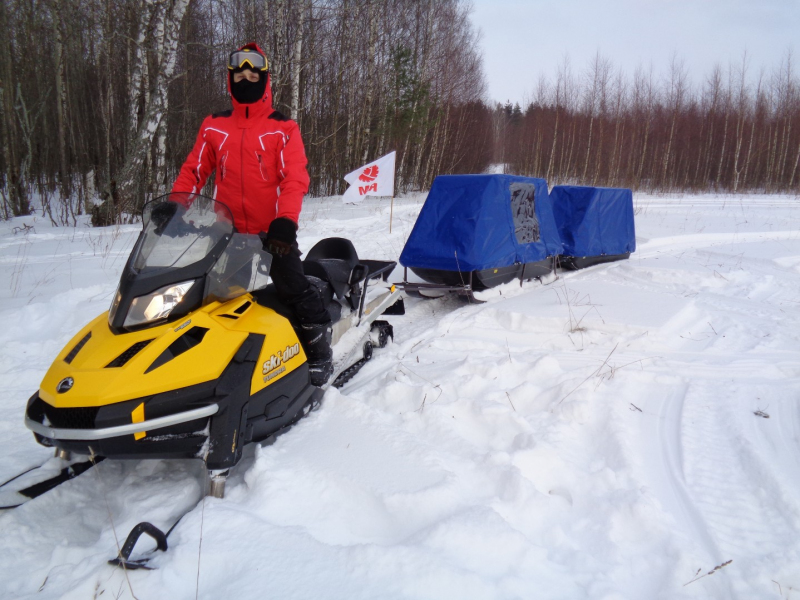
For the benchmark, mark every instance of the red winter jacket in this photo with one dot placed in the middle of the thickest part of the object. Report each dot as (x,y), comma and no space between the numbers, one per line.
(260,162)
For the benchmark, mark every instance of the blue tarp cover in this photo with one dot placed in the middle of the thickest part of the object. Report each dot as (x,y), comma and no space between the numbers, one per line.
(476,222)
(594,221)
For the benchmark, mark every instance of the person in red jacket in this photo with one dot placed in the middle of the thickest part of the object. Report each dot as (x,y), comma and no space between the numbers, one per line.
(261,177)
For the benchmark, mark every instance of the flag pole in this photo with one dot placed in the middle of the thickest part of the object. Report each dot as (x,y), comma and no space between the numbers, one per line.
(394,173)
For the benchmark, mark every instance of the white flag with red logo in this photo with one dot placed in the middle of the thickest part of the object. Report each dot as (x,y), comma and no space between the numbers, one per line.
(374,179)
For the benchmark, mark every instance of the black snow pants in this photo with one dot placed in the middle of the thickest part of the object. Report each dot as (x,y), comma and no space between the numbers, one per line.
(295,291)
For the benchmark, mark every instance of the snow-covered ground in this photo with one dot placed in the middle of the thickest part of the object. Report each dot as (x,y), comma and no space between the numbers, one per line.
(619,433)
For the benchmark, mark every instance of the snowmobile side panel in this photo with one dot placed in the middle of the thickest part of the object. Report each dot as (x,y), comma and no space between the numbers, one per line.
(282,351)
(279,405)
(228,428)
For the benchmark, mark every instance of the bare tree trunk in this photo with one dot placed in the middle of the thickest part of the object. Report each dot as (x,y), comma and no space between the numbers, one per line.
(15,179)
(166,33)
(551,162)
(370,88)
(718,179)
(569,171)
(61,104)
(278,63)
(26,122)
(667,154)
(794,169)
(137,89)
(296,61)
(588,151)
(772,160)
(784,154)
(677,90)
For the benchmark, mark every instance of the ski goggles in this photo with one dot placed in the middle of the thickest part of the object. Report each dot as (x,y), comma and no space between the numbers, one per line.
(240,58)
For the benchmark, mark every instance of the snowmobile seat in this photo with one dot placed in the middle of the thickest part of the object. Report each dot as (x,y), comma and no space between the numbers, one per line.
(334,248)
(335,260)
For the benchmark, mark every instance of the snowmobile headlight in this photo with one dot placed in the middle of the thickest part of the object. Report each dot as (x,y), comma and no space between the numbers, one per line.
(156,305)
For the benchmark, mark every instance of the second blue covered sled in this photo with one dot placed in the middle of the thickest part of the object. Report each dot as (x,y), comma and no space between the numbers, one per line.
(594,224)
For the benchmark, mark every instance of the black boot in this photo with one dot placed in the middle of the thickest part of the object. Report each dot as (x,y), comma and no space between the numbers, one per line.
(317,344)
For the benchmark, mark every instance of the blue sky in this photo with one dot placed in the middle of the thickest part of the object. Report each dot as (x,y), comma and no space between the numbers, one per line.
(522,39)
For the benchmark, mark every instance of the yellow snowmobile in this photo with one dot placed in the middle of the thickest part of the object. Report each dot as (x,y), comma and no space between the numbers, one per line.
(197,357)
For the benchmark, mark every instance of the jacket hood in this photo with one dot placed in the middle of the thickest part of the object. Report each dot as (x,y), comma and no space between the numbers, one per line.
(260,107)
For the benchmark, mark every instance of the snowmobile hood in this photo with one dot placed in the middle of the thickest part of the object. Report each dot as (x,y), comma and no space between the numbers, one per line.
(109,368)
(248,113)
(106,368)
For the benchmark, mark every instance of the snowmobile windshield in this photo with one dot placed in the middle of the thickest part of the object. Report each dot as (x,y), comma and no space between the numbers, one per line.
(187,255)
(180,230)
(243,267)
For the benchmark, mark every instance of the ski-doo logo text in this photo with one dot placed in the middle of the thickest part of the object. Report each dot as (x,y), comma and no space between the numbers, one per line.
(274,365)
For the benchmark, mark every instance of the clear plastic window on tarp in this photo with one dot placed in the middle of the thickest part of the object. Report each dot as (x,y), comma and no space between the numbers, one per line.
(243,267)
(179,231)
(523,209)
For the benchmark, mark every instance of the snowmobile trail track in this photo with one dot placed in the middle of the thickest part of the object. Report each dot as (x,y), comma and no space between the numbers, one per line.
(669,427)
(730,481)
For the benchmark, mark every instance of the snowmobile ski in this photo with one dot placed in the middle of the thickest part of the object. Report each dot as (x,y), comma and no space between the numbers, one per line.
(41,487)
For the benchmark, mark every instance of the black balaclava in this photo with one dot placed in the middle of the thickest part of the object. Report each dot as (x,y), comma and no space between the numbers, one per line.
(248,92)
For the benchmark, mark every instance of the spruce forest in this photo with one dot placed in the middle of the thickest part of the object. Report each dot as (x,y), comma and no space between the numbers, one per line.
(100,102)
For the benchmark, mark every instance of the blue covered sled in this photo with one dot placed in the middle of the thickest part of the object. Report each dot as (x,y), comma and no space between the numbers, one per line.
(478,231)
(594,224)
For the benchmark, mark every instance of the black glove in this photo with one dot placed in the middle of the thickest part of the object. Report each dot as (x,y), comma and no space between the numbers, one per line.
(163,213)
(280,238)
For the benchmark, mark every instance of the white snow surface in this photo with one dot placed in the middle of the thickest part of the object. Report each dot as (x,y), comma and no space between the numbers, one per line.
(591,438)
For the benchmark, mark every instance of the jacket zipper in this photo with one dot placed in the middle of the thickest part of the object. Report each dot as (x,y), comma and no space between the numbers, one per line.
(241,162)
